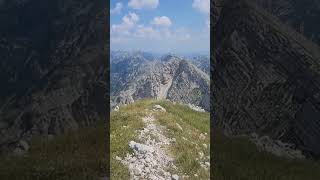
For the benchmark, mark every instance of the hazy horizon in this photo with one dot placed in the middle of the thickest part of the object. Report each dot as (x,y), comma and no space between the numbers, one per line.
(163,53)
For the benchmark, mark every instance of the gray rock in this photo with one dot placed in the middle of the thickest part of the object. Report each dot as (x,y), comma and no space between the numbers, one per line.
(137,171)
(175,177)
(277,147)
(159,108)
(202,136)
(205,145)
(178,125)
(173,78)
(118,158)
(116,108)
(140,147)
(207,164)
(149,160)
(195,108)
(24,145)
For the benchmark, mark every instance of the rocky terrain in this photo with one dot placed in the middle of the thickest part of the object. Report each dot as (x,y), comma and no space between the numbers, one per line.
(155,141)
(138,75)
(202,62)
(150,160)
(303,16)
(53,68)
(267,75)
(276,147)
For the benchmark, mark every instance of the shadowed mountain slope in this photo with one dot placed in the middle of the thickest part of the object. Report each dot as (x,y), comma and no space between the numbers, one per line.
(266,78)
(53,68)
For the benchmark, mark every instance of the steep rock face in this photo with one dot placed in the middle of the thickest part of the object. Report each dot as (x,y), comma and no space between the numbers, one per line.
(266,78)
(125,66)
(170,78)
(53,67)
(202,62)
(303,16)
(189,85)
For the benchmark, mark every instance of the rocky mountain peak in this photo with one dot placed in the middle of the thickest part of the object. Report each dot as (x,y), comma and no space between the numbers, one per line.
(171,77)
(170,57)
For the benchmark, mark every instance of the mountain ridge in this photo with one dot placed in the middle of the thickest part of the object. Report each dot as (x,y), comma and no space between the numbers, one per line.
(158,78)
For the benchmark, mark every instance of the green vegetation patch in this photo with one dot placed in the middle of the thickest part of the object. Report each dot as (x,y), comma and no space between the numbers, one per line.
(185,150)
(188,145)
(123,126)
(80,154)
(239,159)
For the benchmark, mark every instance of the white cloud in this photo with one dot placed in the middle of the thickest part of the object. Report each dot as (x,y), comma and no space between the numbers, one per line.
(182,34)
(147,32)
(158,35)
(141,4)
(131,18)
(208,23)
(202,5)
(128,23)
(161,21)
(117,9)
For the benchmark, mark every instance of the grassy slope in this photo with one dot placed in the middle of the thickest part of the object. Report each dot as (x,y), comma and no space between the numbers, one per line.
(185,151)
(123,125)
(74,155)
(239,159)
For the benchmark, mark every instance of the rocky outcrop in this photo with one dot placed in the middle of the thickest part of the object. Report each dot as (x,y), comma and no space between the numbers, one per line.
(276,147)
(150,160)
(52,68)
(201,62)
(303,16)
(266,78)
(170,78)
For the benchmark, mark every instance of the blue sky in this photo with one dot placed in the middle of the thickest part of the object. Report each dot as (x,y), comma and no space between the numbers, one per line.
(161,26)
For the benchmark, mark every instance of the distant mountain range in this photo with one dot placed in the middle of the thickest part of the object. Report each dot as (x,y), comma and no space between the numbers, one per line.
(138,75)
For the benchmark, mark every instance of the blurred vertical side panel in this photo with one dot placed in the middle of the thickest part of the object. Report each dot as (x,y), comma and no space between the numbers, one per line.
(54,96)
(266,83)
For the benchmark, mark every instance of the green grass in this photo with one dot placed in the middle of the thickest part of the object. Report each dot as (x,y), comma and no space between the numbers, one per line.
(123,125)
(188,144)
(239,159)
(185,152)
(79,154)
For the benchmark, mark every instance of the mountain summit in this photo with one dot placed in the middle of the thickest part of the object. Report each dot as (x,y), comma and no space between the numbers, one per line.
(172,77)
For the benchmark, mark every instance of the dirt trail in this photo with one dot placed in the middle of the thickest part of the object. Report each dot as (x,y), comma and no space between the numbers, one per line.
(150,159)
